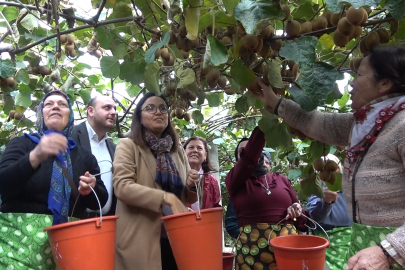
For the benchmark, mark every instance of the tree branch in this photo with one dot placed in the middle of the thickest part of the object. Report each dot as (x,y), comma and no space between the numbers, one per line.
(132,103)
(100,9)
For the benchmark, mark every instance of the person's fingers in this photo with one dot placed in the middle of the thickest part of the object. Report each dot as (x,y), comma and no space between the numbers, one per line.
(352,262)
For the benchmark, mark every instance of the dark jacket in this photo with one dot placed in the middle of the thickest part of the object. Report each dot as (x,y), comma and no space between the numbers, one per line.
(81,137)
(231,223)
(25,190)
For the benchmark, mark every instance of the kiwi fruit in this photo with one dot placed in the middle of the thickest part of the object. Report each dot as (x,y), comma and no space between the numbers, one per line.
(155,36)
(355,16)
(185,55)
(276,44)
(306,27)
(293,28)
(259,46)
(319,164)
(287,11)
(58,55)
(243,51)
(188,45)
(72,53)
(372,39)
(34,70)
(11,82)
(357,32)
(192,96)
(319,23)
(18,116)
(226,40)
(339,39)
(384,35)
(63,39)
(44,70)
(294,70)
(222,82)
(69,47)
(265,51)
(290,64)
(157,53)
(266,32)
(334,18)
(365,16)
(254,86)
(327,14)
(265,78)
(172,38)
(332,178)
(213,74)
(168,62)
(356,63)
(181,43)
(212,83)
(331,165)
(164,53)
(172,114)
(70,38)
(98,53)
(363,47)
(394,26)
(187,117)
(11,114)
(179,112)
(345,28)
(251,41)
(228,91)
(182,31)
(325,175)
(340,147)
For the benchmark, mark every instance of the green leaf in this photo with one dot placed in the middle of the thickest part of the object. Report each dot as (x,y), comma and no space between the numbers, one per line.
(336,5)
(32,59)
(198,117)
(7,68)
(22,99)
(118,47)
(215,52)
(337,185)
(192,18)
(8,103)
(200,133)
(326,42)
(234,86)
(133,71)
(396,8)
(274,75)
(186,76)
(152,77)
(214,100)
(85,95)
(105,35)
(299,96)
(132,90)
(294,174)
(30,22)
(334,95)
(317,80)
(343,100)
(22,77)
(301,51)
(93,79)
(251,12)
(304,11)
(317,149)
(312,185)
(11,13)
(120,10)
(221,20)
(241,73)
(242,104)
(277,135)
(150,53)
(110,67)
(400,34)
(230,5)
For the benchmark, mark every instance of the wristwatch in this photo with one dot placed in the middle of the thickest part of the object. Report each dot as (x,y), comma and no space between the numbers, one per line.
(395,258)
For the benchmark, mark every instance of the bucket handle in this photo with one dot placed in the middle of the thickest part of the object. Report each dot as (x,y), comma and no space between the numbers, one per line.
(198,185)
(310,219)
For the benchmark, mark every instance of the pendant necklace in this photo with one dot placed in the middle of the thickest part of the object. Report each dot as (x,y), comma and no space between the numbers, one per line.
(266,189)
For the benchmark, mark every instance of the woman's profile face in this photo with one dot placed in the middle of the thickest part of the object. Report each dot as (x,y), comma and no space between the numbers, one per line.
(241,147)
(56,112)
(152,117)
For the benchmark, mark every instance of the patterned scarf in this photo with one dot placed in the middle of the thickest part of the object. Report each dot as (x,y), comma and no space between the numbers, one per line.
(59,192)
(370,119)
(167,175)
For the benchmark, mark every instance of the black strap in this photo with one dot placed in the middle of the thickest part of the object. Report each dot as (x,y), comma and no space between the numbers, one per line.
(75,191)
(354,205)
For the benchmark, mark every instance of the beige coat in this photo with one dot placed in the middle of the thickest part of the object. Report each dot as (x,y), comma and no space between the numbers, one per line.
(139,205)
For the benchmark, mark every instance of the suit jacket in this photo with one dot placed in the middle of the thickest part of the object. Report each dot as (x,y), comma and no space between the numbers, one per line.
(139,205)
(81,137)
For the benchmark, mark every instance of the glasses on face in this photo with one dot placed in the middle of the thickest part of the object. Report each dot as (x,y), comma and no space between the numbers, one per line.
(152,109)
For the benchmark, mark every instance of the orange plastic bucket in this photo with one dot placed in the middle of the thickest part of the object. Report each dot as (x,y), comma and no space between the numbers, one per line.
(305,252)
(84,244)
(196,240)
(227,261)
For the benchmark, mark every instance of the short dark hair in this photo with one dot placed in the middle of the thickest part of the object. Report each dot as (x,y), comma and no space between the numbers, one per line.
(137,133)
(206,165)
(237,147)
(388,62)
(91,102)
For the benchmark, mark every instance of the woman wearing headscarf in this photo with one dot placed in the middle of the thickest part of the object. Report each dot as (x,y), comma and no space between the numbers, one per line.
(151,178)
(197,154)
(41,176)
(266,205)
(374,168)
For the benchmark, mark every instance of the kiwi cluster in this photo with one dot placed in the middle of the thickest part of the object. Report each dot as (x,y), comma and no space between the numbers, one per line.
(43,70)
(349,25)
(94,48)
(179,108)
(180,100)
(164,54)
(15,115)
(8,82)
(355,63)
(374,38)
(326,169)
(69,42)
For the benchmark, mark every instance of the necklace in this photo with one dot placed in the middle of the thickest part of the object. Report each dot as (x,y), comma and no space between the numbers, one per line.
(266,188)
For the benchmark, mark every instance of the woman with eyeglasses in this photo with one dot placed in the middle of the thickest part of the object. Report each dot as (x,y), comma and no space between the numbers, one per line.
(197,153)
(152,177)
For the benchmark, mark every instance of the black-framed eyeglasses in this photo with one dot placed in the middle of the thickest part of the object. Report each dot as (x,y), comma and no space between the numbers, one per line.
(152,109)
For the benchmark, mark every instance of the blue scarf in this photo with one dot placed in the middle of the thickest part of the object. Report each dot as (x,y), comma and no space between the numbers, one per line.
(59,192)
(167,175)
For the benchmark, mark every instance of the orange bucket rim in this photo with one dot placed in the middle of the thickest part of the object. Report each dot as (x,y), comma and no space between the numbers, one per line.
(78,222)
(323,246)
(192,213)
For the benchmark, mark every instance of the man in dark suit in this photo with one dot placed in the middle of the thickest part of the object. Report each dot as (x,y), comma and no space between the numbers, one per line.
(92,134)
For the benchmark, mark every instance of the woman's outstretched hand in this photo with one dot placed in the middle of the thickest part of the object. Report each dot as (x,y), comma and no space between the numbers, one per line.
(175,204)
(267,96)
